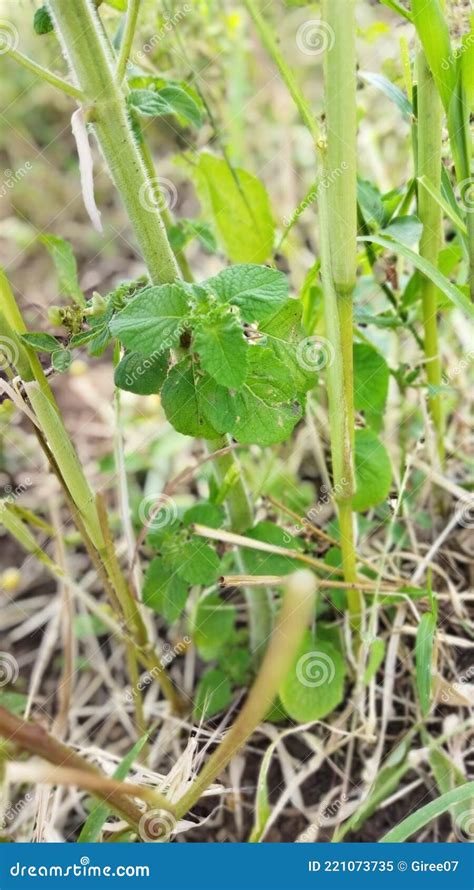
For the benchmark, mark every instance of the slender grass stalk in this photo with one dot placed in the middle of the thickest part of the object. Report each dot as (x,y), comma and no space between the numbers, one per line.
(429,138)
(338,234)
(338,227)
(59,450)
(295,615)
(145,654)
(268,40)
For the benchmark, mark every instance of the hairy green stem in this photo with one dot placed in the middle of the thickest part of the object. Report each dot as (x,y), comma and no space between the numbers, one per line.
(88,55)
(338,238)
(429,144)
(295,614)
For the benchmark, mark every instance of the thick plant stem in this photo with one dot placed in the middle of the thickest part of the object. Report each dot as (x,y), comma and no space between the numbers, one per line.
(338,234)
(79,29)
(429,132)
(90,62)
(295,615)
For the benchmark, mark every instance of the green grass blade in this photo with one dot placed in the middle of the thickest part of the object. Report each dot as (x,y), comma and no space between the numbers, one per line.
(397,7)
(426,814)
(91,829)
(430,23)
(446,207)
(424,659)
(453,293)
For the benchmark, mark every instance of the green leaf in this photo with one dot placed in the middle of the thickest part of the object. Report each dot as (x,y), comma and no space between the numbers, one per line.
(376,657)
(199,563)
(41,342)
(184,401)
(205,514)
(391,91)
(397,7)
(15,702)
(371,377)
(84,337)
(169,100)
(239,206)
(266,408)
(284,334)
(185,230)
(164,591)
(66,267)
(373,471)
(91,829)
(213,625)
(222,349)
(153,320)
(424,659)
(429,20)
(61,360)
(370,202)
(141,375)
(450,208)
(257,290)
(314,685)
(407,229)
(426,814)
(213,694)
(452,292)
(259,563)
(386,782)
(42,21)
